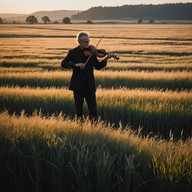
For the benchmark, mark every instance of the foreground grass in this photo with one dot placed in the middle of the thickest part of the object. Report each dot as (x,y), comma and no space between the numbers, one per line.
(154,110)
(54,154)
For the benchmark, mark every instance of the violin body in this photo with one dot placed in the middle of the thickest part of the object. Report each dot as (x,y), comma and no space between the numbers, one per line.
(91,50)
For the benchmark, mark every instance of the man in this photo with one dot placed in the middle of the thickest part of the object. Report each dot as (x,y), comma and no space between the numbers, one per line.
(82,81)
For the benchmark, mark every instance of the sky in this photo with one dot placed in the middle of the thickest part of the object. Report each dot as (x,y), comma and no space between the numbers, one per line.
(30,6)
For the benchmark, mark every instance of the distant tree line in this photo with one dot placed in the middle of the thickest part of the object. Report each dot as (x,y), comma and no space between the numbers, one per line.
(33,20)
(177,11)
(66,20)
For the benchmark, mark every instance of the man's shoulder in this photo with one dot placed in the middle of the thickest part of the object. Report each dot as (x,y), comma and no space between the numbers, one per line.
(76,49)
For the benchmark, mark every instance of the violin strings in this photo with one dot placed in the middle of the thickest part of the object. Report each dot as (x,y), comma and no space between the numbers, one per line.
(94,51)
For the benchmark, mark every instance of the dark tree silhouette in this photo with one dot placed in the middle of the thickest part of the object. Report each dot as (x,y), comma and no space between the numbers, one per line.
(1,20)
(89,22)
(66,20)
(151,21)
(31,19)
(140,21)
(45,19)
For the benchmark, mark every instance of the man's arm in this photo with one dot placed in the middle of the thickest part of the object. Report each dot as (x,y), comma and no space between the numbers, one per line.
(99,65)
(66,62)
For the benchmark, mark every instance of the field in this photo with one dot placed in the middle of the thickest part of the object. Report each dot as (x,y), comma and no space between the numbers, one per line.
(142,141)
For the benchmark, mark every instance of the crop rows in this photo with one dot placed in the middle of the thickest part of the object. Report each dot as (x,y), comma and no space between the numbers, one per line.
(157,111)
(52,153)
(105,79)
(142,140)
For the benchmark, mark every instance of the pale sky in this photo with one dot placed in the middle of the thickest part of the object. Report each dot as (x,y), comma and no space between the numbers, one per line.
(30,6)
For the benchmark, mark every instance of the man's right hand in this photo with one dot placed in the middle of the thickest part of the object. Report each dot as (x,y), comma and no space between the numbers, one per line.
(81,65)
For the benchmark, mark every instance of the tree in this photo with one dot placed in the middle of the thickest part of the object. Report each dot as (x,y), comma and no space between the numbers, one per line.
(45,19)
(140,21)
(89,22)
(151,21)
(1,20)
(66,20)
(31,19)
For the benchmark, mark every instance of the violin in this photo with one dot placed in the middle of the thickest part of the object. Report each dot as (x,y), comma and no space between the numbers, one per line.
(91,50)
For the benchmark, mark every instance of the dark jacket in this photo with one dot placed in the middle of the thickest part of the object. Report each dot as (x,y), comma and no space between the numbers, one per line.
(81,76)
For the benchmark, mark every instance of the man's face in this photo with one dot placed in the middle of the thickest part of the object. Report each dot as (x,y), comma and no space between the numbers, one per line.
(84,42)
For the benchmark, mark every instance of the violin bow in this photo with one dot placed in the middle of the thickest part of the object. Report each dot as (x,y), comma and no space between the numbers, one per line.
(93,51)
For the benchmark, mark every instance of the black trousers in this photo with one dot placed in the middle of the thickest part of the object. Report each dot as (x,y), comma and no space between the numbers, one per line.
(90,98)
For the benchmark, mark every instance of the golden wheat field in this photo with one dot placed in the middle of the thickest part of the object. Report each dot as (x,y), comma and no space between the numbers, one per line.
(152,57)
(143,139)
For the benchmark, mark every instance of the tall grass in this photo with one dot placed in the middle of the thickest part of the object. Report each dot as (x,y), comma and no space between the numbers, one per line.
(29,63)
(126,65)
(46,154)
(173,32)
(156,111)
(144,44)
(106,79)
(129,64)
(52,153)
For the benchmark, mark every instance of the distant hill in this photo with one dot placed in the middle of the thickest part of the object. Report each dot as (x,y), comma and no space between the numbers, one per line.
(53,15)
(177,11)
(10,15)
